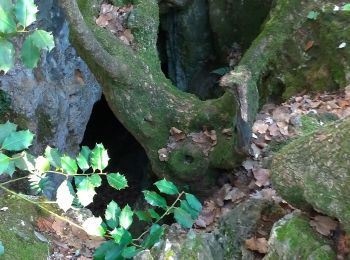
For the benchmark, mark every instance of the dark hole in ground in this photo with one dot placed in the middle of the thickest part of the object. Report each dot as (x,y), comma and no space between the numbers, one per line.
(127,156)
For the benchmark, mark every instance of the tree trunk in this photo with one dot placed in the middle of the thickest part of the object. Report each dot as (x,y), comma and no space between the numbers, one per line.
(148,105)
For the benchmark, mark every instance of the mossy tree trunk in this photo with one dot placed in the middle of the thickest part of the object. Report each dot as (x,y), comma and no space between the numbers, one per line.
(148,105)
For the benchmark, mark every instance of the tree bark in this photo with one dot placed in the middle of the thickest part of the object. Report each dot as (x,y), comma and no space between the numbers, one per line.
(148,105)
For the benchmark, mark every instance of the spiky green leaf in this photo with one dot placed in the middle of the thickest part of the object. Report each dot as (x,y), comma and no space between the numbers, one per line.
(166,187)
(65,197)
(95,180)
(86,192)
(24,161)
(125,217)
(112,214)
(156,232)
(25,11)
(18,141)
(121,236)
(7,5)
(99,158)
(30,54)
(54,156)
(69,165)
(183,218)
(7,128)
(155,199)
(117,181)
(93,226)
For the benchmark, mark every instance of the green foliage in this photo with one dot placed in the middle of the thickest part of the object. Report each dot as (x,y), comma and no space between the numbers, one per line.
(2,249)
(15,18)
(312,15)
(116,221)
(346,7)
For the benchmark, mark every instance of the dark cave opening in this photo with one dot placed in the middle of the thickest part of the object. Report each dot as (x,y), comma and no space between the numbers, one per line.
(126,156)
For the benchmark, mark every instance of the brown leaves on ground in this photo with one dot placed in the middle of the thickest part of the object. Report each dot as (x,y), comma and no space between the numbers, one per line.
(323,224)
(259,245)
(113,18)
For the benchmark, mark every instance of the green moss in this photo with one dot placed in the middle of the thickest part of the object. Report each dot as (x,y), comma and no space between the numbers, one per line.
(17,232)
(45,127)
(5,103)
(298,239)
(309,124)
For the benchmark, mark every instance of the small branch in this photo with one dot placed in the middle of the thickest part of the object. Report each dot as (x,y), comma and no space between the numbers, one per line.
(14,180)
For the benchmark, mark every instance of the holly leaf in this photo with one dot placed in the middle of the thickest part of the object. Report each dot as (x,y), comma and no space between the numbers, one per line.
(65,197)
(93,226)
(4,162)
(86,192)
(7,55)
(30,54)
(186,207)
(166,187)
(112,214)
(69,165)
(99,158)
(43,40)
(183,218)
(18,141)
(155,199)
(154,236)
(95,180)
(7,23)
(7,128)
(25,11)
(117,181)
(121,236)
(24,161)
(53,156)
(7,5)
(125,217)
(83,158)
(130,252)
(193,202)
(102,250)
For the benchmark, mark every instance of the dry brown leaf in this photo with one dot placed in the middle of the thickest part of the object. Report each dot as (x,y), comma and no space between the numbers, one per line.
(342,103)
(257,244)
(262,176)
(308,45)
(274,130)
(177,133)
(260,127)
(347,92)
(234,195)
(323,224)
(281,114)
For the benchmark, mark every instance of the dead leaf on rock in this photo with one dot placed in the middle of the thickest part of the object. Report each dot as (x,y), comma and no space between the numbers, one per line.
(177,133)
(323,224)
(267,194)
(281,114)
(260,127)
(234,195)
(257,244)
(262,176)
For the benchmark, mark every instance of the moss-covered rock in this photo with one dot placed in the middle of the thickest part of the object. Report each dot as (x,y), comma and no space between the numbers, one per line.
(17,231)
(314,170)
(293,238)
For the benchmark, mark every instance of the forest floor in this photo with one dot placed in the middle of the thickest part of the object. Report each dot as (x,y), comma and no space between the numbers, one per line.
(275,126)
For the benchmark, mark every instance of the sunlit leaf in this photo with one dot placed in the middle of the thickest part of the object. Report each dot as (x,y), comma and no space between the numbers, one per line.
(112,214)
(18,141)
(155,199)
(183,218)
(193,202)
(83,163)
(43,40)
(166,187)
(69,165)
(93,226)
(24,161)
(86,192)
(42,164)
(121,236)
(25,11)
(30,54)
(99,158)
(54,156)
(65,197)
(7,23)
(125,217)
(346,7)
(7,128)
(7,5)
(156,232)
(117,181)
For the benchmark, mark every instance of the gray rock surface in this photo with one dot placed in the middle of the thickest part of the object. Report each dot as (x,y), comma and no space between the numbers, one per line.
(54,100)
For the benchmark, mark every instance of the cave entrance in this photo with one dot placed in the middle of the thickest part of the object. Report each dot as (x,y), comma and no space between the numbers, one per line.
(126,156)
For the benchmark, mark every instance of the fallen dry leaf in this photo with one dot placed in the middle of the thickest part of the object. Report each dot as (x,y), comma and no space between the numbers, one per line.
(177,133)
(262,176)
(257,244)
(260,127)
(308,45)
(323,224)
